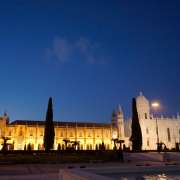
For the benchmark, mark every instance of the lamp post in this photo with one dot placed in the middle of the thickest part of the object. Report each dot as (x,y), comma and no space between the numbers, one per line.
(155,106)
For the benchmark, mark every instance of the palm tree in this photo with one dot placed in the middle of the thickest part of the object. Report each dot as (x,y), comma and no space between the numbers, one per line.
(120,143)
(75,144)
(115,141)
(66,141)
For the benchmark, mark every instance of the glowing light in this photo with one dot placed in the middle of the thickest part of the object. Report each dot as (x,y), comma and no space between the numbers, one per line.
(155,104)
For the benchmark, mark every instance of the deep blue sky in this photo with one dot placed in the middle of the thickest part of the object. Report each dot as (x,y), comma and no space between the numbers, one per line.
(89,56)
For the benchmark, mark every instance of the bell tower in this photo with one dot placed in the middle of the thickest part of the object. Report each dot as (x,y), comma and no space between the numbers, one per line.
(113,120)
(120,122)
(143,107)
(4,120)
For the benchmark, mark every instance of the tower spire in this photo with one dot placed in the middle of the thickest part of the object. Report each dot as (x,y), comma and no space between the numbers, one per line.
(119,108)
(113,120)
(141,93)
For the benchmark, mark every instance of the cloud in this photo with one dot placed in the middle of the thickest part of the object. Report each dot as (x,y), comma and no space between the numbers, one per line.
(65,51)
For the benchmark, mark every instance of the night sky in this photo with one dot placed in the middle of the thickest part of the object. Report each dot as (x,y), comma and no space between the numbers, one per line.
(89,56)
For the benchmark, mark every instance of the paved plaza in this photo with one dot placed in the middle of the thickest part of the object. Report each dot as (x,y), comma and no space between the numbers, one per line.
(51,171)
(29,172)
(134,162)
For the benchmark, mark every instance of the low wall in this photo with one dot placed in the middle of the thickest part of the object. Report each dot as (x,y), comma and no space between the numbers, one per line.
(148,156)
(65,174)
(172,156)
(152,156)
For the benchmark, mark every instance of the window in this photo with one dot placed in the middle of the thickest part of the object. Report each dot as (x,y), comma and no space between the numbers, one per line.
(20,132)
(89,134)
(98,133)
(41,133)
(168,134)
(147,142)
(31,134)
(147,131)
(80,134)
(145,115)
(71,134)
(97,147)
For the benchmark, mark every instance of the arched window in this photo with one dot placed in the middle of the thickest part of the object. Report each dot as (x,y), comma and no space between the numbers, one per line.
(89,134)
(41,133)
(148,142)
(80,134)
(30,132)
(145,115)
(97,148)
(87,147)
(59,147)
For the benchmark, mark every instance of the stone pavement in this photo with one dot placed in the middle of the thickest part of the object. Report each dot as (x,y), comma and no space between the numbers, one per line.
(29,172)
(51,171)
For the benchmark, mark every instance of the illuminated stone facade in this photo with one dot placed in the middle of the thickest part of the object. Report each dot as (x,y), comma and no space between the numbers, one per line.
(89,135)
(155,129)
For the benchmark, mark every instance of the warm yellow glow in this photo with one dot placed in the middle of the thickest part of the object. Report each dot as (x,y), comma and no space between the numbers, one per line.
(155,104)
(114,135)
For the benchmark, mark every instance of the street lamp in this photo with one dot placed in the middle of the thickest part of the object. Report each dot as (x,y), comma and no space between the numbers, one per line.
(155,106)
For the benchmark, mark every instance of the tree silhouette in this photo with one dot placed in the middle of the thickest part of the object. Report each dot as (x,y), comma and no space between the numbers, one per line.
(5,144)
(115,141)
(66,141)
(136,136)
(75,144)
(49,128)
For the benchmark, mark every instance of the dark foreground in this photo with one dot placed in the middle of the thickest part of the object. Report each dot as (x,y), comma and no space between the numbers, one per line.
(36,157)
(41,165)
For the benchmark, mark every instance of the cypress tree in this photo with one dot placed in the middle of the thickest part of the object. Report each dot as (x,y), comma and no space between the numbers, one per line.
(49,127)
(136,136)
